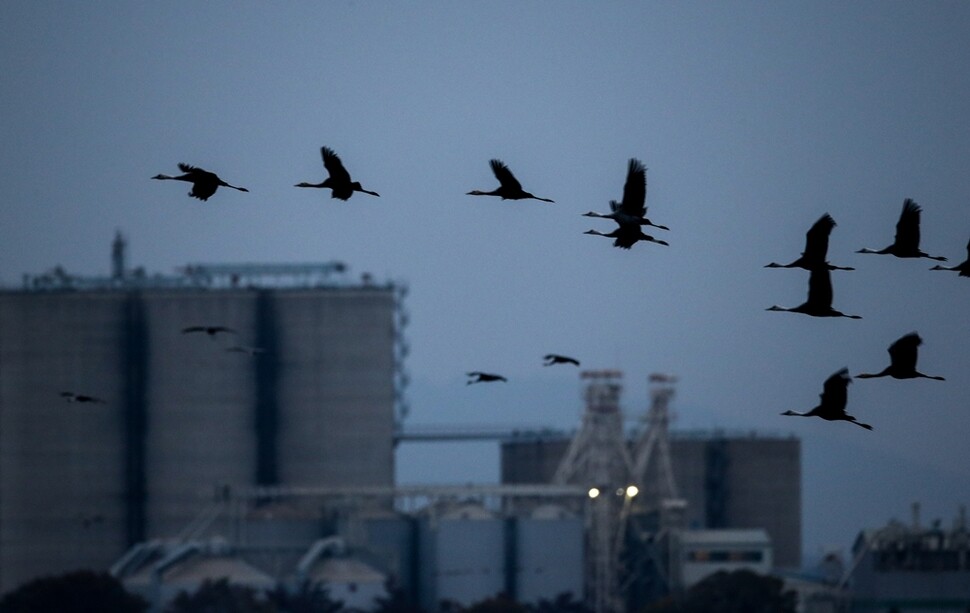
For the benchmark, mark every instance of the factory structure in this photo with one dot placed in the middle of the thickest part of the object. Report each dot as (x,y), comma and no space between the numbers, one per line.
(243,422)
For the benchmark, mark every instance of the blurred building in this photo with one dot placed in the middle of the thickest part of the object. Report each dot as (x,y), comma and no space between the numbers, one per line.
(309,376)
(911,567)
(729,480)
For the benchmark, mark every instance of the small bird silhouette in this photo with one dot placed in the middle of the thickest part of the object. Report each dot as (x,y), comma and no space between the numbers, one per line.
(81,398)
(212,331)
(509,187)
(816,247)
(204,183)
(834,397)
(483,377)
(906,243)
(339,180)
(902,360)
(819,303)
(632,209)
(627,235)
(245,349)
(553,358)
(963,267)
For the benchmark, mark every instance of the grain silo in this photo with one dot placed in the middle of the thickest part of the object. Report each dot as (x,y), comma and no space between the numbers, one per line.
(305,377)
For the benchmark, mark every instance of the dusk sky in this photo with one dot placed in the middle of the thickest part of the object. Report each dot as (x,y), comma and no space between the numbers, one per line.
(753,118)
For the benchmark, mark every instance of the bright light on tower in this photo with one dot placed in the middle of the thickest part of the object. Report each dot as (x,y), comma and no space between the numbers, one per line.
(593,492)
(631,491)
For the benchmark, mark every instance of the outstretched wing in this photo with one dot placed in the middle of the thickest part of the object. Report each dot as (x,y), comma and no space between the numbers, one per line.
(907,228)
(903,352)
(817,239)
(835,391)
(334,166)
(189,169)
(504,175)
(635,190)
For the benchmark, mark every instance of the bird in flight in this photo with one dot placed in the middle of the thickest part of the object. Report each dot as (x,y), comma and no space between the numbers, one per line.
(902,360)
(906,243)
(627,235)
(819,303)
(963,267)
(339,180)
(816,247)
(245,349)
(553,358)
(212,331)
(81,398)
(483,377)
(833,400)
(204,183)
(509,187)
(632,209)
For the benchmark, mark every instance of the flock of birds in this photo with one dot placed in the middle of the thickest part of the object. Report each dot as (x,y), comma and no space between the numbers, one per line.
(629,214)
(902,352)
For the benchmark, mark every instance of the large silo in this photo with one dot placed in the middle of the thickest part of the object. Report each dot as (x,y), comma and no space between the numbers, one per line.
(729,480)
(62,465)
(183,416)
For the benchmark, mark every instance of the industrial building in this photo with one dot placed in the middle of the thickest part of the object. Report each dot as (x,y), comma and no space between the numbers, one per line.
(728,480)
(231,403)
(910,567)
(309,374)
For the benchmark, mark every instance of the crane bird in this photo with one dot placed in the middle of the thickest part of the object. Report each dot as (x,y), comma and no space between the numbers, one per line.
(339,180)
(509,187)
(632,209)
(245,349)
(816,247)
(204,183)
(627,235)
(483,377)
(906,243)
(554,358)
(819,303)
(81,398)
(834,397)
(212,331)
(963,267)
(902,360)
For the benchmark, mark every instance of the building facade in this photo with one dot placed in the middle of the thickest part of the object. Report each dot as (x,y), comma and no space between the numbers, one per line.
(302,382)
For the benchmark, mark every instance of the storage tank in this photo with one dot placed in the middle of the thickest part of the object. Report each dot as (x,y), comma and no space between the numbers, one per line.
(183,416)
(461,558)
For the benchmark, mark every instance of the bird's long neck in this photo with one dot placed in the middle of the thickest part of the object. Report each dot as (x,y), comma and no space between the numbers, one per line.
(478,192)
(883,373)
(883,251)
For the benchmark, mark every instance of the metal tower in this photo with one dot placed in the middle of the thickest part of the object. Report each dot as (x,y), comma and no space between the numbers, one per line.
(598,459)
(652,466)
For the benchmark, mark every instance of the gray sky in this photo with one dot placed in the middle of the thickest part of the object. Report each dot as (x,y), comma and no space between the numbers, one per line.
(753,118)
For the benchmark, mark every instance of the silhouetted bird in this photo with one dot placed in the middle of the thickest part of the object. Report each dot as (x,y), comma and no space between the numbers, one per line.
(339,180)
(82,398)
(819,303)
(509,188)
(246,350)
(902,360)
(626,236)
(553,358)
(906,244)
(963,267)
(834,397)
(632,210)
(483,377)
(212,331)
(816,247)
(204,183)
